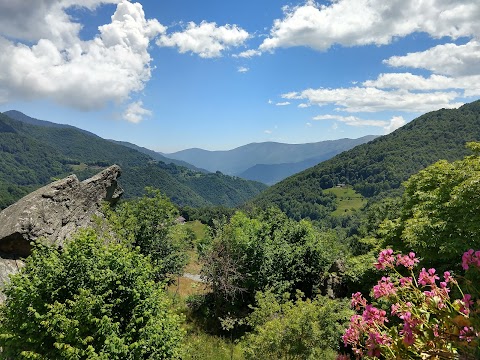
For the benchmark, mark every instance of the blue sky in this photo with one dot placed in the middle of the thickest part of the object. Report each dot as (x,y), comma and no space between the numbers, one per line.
(176,74)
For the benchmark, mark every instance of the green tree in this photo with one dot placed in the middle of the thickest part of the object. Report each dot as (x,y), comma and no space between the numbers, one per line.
(300,329)
(90,301)
(267,251)
(440,213)
(149,223)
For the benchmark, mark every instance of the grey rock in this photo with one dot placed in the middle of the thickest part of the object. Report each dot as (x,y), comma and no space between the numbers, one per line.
(52,214)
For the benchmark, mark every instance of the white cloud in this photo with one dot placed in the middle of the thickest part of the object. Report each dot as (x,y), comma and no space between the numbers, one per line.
(389,126)
(352,120)
(85,75)
(447,59)
(363,22)
(303,105)
(243,69)
(308,124)
(285,103)
(370,99)
(248,54)
(268,132)
(395,123)
(207,39)
(135,112)
(43,19)
(270,102)
(407,81)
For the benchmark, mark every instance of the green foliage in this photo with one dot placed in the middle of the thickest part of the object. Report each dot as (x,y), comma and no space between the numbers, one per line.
(440,212)
(267,252)
(90,301)
(380,165)
(149,223)
(300,329)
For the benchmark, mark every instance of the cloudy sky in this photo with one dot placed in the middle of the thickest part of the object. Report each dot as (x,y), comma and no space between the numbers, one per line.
(175,74)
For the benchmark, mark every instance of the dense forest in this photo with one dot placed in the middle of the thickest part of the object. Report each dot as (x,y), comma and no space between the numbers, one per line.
(35,152)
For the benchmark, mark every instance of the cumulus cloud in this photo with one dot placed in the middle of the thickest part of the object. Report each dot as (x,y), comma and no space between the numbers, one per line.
(408,81)
(135,112)
(285,103)
(370,99)
(49,60)
(447,59)
(206,39)
(352,120)
(395,123)
(248,54)
(243,69)
(363,22)
(389,126)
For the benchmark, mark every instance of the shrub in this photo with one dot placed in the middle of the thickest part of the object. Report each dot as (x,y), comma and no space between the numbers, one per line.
(90,301)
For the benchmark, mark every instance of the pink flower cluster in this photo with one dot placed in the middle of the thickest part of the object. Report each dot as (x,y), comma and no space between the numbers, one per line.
(368,323)
(384,288)
(471,257)
(387,259)
(415,302)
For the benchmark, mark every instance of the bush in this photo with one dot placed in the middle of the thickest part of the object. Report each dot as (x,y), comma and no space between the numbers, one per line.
(91,301)
(298,329)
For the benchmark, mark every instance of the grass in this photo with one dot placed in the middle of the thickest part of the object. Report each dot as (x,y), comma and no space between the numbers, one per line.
(348,200)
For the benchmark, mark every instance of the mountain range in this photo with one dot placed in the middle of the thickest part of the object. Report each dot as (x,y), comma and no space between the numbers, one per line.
(33,152)
(268,162)
(380,166)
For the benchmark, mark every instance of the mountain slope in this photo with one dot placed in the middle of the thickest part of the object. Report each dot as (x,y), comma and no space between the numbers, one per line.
(88,153)
(24,163)
(159,157)
(272,173)
(382,164)
(236,161)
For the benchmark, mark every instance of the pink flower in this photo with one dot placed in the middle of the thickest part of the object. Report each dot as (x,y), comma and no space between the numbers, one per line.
(447,276)
(427,278)
(385,259)
(405,281)
(352,334)
(466,304)
(358,300)
(408,261)
(342,357)
(373,316)
(384,288)
(394,309)
(409,325)
(374,340)
(467,334)
(471,258)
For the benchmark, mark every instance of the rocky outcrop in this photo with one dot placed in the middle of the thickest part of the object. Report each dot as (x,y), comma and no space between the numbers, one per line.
(52,214)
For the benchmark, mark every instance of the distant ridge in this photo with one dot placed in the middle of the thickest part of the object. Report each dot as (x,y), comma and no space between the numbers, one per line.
(158,156)
(239,160)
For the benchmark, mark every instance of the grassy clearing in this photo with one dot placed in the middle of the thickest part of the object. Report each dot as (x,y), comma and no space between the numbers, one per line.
(348,200)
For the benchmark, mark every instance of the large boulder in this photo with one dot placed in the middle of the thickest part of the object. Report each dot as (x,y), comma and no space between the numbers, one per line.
(52,214)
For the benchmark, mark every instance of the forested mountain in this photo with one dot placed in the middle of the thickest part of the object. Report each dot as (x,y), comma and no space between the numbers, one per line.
(34,152)
(238,160)
(380,165)
(159,157)
(272,173)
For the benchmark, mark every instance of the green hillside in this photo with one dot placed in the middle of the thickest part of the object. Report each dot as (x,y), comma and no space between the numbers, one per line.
(33,152)
(380,165)
(24,163)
